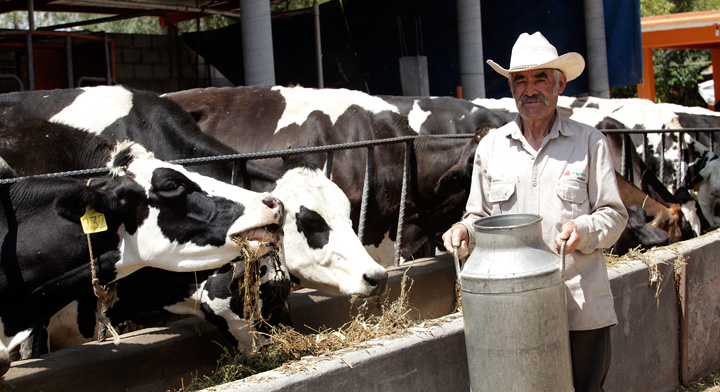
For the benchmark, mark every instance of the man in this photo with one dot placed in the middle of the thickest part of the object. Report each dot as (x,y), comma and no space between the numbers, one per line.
(544,164)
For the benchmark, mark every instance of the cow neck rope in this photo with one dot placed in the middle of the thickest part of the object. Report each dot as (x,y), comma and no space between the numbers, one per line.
(107,300)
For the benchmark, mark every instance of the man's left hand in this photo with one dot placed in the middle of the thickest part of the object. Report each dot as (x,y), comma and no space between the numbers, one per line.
(570,233)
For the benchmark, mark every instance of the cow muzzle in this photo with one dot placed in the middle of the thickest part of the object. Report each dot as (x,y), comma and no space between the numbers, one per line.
(260,240)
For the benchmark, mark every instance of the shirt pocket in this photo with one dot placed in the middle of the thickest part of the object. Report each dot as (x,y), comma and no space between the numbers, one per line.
(501,197)
(572,195)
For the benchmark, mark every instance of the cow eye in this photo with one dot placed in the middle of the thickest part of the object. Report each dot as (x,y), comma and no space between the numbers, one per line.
(168,185)
(170,189)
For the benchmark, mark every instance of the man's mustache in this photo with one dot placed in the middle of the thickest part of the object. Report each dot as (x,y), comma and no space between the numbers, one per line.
(534,98)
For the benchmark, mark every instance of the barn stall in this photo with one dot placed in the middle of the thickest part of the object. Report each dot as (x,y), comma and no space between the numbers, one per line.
(656,296)
(662,300)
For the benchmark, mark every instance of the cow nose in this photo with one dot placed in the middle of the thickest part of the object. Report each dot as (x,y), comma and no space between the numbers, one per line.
(276,206)
(378,282)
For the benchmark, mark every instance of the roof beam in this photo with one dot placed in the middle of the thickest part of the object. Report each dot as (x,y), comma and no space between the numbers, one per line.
(681,37)
(99,20)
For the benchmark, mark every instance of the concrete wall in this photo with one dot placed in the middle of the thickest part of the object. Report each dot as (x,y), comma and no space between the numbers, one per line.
(662,338)
(158,63)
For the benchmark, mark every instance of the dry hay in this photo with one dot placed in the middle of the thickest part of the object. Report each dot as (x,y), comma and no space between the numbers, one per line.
(249,285)
(655,277)
(710,383)
(288,346)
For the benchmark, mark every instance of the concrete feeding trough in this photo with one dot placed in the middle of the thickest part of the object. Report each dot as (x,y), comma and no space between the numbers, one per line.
(667,333)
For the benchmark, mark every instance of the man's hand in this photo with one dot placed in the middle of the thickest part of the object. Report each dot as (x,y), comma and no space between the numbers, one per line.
(570,233)
(456,236)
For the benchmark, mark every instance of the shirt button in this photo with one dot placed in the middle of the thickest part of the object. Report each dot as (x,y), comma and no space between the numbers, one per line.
(532,158)
(534,184)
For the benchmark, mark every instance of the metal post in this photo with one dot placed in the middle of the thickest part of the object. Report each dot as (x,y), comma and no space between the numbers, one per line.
(108,73)
(662,158)
(472,73)
(318,45)
(403,198)
(69,62)
(598,79)
(365,195)
(30,60)
(257,43)
(678,179)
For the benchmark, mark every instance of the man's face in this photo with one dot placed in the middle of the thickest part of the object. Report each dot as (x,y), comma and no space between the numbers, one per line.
(534,92)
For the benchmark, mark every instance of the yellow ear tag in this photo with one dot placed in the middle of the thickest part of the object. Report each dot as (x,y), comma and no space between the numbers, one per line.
(93,221)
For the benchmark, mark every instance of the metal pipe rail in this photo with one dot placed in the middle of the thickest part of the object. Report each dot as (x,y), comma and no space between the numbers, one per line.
(241,159)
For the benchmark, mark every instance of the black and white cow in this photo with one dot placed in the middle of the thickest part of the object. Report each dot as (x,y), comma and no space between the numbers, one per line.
(216,298)
(324,247)
(637,113)
(704,174)
(156,215)
(261,118)
(445,115)
(678,172)
(162,126)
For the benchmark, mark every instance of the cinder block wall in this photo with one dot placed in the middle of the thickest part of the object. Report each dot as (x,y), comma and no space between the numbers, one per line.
(159,63)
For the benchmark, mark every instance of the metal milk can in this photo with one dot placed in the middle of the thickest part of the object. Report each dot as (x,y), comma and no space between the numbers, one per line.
(514,309)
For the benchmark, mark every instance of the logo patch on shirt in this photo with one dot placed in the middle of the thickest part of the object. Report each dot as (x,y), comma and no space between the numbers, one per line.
(582,177)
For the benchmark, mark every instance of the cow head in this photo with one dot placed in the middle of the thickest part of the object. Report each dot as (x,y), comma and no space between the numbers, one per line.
(639,233)
(322,250)
(707,187)
(440,190)
(457,177)
(174,219)
(703,170)
(223,301)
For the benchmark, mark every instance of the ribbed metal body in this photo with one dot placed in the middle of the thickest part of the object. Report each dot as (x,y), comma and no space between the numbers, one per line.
(514,308)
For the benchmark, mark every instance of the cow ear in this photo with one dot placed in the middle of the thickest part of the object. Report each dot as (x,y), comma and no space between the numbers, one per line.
(107,197)
(197,115)
(700,177)
(71,203)
(453,181)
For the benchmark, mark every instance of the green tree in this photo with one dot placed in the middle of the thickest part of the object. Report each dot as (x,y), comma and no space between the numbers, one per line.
(677,71)
(655,7)
(677,74)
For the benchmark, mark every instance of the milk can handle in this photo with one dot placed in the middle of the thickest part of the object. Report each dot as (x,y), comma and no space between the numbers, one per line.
(457,262)
(562,256)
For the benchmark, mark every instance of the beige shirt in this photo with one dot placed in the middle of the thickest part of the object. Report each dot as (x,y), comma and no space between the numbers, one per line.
(571,177)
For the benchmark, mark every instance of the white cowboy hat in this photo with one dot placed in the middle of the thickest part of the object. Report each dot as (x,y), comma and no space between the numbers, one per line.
(534,52)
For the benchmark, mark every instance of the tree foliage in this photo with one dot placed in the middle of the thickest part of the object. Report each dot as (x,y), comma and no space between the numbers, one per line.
(677,71)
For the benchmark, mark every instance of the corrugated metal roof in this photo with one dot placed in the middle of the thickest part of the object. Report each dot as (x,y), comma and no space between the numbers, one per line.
(682,20)
(223,7)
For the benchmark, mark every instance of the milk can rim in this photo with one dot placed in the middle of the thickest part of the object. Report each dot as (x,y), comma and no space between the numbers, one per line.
(482,223)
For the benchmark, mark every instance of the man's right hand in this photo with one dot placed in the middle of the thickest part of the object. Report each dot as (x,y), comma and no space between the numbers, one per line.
(456,236)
